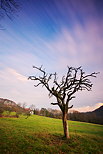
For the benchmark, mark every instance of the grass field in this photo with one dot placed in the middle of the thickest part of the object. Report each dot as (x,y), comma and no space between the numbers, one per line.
(42,135)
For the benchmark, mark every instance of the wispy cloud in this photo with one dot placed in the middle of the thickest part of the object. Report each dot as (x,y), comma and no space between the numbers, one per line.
(83,46)
(12,75)
(56,35)
(17,75)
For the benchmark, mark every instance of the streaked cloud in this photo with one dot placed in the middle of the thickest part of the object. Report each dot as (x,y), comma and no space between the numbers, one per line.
(17,75)
(9,73)
(82,47)
(54,34)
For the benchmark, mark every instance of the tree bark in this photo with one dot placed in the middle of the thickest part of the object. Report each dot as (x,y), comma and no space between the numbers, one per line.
(65,125)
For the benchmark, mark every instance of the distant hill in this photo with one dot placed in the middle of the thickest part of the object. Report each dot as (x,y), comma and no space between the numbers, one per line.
(95,116)
(7,102)
(11,106)
(99,111)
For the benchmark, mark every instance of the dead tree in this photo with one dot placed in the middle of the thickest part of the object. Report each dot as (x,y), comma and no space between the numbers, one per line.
(64,90)
(8,7)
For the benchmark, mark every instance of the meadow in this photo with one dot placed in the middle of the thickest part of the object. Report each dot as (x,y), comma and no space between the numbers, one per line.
(42,135)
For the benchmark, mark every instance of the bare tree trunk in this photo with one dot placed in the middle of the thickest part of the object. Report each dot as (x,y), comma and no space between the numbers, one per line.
(65,125)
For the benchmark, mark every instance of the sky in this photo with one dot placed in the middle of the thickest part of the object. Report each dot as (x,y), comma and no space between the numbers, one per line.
(55,34)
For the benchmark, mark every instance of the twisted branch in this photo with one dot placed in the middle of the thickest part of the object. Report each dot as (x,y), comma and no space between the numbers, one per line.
(64,90)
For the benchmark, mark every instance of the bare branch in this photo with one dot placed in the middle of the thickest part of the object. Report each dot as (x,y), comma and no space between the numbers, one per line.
(8,7)
(71,98)
(70,107)
(37,85)
(74,80)
(54,103)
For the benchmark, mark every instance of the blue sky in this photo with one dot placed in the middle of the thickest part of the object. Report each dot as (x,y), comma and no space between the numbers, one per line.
(52,33)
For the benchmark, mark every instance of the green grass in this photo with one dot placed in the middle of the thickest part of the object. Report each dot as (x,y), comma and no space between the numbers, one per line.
(7,113)
(42,135)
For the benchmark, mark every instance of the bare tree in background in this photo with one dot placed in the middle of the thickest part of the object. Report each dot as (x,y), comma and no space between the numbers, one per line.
(8,8)
(64,90)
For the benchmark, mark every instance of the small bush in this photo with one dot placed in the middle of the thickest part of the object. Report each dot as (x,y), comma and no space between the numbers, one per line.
(12,113)
(6,113)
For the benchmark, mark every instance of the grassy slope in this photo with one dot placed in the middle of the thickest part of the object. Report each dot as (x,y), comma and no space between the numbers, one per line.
(44,135)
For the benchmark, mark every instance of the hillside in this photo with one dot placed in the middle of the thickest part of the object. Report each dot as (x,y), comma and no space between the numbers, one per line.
(99,111)
(10,106)
(7,102)
(95,116)
(42,135)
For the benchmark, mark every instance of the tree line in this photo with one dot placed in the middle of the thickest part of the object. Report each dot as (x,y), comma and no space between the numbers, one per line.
(90,117)
(15,110)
